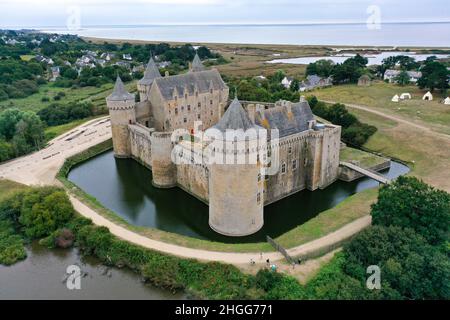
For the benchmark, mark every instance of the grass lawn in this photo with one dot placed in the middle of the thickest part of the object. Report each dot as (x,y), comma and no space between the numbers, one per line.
(427,154)
(35,103)
(26,57)
(365,159)
(7,188)
(433,114)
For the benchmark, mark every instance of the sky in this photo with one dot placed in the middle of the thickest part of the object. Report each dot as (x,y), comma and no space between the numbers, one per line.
(57,13)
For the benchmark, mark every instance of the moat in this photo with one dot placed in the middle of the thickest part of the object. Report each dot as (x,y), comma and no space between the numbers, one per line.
(42,275)
(124,186)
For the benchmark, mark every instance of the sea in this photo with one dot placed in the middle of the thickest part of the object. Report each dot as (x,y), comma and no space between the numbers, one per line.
(423,34)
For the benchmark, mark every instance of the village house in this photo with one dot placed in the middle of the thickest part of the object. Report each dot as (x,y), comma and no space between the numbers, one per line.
(55,73)
(314,82)
(391,75)
(287,81)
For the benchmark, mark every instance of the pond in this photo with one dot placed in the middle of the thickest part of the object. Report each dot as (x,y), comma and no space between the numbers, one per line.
(124,186)
(41,276)
(374,59)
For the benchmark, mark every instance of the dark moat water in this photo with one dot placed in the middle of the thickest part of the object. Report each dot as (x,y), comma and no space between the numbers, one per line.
(41,277)
(124,186)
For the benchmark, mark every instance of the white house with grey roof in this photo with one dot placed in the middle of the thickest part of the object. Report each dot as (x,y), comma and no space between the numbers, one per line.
(307,154)
(391,75)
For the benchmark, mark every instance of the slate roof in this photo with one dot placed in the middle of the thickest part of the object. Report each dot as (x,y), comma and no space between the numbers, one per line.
(287,123)
(120,93)
(150,73)
(192,81)
(235,118)
(197,64)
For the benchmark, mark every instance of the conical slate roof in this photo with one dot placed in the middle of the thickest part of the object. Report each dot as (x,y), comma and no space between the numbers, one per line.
(120,93)
(235,118)
(197,64)
(151,73)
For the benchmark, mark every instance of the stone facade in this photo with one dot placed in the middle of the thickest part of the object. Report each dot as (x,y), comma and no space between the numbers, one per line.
(236,193)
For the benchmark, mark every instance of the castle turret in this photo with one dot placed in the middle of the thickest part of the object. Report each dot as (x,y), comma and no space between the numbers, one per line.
(164,170)
(236,197)
(150,74)
(197,64)
(121,105)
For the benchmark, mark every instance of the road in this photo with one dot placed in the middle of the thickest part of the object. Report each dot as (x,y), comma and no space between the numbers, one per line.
(392,117)
(40,168)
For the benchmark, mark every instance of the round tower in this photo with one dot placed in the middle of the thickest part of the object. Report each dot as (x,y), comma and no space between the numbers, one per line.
(236,188)
(121,106)
(164,170)
(150,74)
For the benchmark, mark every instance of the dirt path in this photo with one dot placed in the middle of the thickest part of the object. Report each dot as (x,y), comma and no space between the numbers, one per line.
(394,118)
(40,168)
(226,257)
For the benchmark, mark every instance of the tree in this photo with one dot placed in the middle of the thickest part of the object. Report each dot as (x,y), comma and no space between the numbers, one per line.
(23,129)
(411,203)
(295,85)
(6,150)
(322,68)
(410,267)
(434,76)
(402,78)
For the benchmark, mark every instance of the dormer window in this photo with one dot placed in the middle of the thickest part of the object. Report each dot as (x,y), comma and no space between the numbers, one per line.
(186,96)
(211,91)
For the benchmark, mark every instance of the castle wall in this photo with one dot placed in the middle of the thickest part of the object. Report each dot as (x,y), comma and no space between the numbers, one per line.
(330,156)
(163,168)
(292,159)
(140,142)
(194,180)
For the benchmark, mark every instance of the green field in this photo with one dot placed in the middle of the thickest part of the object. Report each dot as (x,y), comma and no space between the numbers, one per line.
(378,96)
(34,102)
(8,188)
(365,159)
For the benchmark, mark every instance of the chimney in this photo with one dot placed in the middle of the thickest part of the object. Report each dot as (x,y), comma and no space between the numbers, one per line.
(166,74)
(190,65)
(302,99)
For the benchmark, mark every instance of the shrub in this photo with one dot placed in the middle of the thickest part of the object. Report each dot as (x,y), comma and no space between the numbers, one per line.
(57,114)
(43,211)
(11,245)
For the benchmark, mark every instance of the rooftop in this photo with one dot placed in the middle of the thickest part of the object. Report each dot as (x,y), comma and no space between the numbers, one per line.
(120,93)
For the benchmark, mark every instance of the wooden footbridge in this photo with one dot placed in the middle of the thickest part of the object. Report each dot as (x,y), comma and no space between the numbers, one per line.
(369,173)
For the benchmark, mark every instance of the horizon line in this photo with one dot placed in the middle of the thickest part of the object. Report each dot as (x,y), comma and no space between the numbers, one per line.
(224,24)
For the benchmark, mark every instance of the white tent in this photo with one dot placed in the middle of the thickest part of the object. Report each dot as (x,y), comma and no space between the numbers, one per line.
(395,98)
(447,100)
(428,96)
(405,96)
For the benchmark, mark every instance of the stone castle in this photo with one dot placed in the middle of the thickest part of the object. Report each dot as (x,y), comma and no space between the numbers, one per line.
(307,151)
